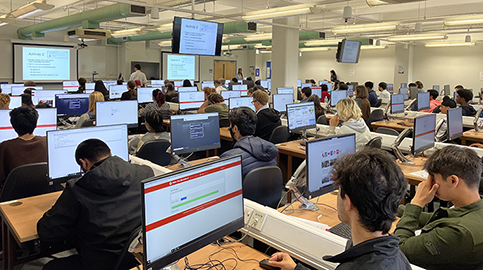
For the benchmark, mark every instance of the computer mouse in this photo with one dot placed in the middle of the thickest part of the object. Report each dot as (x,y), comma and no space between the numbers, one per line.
(264,264)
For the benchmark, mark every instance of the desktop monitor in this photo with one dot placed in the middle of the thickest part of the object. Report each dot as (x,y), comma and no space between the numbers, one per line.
(413,92)
(209,84)
(240,87)
(350,91)
(455,94)
(390,88)
(7,88)
(47,121)
(115,91)
(285,90)
(317,91)
(188,89)
(15,102)
(436,87)
(404,85)
(208,195)
(195,132)
(145,94)
(18,90)
(191,100)
(264,84)
(241,102)
(323,82)
(447,90)
(230,94)
(423,101)
(321,155)
(306,85)
(90,87)
(70,86)
(107,83)
(423,134)
(299,83)
(335,96)
(46,96)
(405,92)
(455,123)
(178,84)
(71,104)
(397,103)
(280,101)
(157,82)
(117,112)
(61,146)
(301,116)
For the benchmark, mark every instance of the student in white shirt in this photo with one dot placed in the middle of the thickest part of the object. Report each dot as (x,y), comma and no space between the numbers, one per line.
(384,95)
(218,86)
(138,75)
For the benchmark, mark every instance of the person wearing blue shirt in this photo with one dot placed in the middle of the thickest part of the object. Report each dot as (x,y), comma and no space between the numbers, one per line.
(372,94)
(305,94)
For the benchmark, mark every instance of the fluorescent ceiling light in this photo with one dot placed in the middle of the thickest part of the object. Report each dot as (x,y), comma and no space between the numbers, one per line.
(427,36)
(314,49)
(165,27)
(31,9)
(4,20)
(316,42)
(266,51)
(464,20)
(373,47)
(372,3)
(449,44)
(166,43)
(281,12)
(231,47)
(260,46)
(267,36)
(372,27)
(129,32)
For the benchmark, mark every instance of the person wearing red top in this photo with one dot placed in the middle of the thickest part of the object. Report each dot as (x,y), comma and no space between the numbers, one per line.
(325,93)
(433,103)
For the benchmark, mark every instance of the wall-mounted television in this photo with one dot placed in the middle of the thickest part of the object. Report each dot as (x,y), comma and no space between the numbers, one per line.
(348,51)
(197,37)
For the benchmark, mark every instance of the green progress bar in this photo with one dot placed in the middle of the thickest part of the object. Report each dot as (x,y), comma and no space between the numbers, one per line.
(195,199)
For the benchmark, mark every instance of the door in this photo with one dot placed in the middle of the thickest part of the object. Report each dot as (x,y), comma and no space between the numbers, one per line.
(224,69)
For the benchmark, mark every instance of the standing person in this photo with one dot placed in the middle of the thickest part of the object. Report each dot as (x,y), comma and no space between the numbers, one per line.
(239,75)
(361,92)
(131,93)
(94,97)
(333,76)
(138,75)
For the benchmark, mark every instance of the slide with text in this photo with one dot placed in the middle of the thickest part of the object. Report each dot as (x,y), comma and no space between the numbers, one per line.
(45,64)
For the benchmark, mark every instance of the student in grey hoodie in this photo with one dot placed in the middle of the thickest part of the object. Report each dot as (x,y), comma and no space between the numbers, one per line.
(349,112)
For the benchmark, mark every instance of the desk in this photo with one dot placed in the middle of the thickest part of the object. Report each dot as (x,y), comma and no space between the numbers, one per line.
(19,223)
(225,134)
(472,136)
(388,124)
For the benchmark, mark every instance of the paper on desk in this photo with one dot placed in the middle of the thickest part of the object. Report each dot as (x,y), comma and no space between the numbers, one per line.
(423,174)
(315,224)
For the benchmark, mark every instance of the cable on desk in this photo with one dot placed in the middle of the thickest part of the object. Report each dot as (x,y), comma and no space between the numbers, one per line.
(317,202)
(291,204)
(279,202)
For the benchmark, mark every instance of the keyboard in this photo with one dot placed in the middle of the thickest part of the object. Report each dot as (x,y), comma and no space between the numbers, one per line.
(342,229)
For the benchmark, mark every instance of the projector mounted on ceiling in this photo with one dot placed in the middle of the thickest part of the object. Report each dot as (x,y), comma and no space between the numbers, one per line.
(89,33)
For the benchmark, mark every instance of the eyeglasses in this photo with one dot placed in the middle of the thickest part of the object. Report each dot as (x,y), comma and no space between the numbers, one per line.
(253,101)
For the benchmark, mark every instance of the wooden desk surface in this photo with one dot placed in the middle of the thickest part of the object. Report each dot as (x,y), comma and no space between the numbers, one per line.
(225,134)
(471,135)
(192,162)
(388,124)
(22,219)
(293,148)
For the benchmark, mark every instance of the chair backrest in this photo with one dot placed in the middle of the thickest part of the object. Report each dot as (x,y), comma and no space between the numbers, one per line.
(89,123)
(375,142)
(126,259)
(279,135)
(376,115)
(388,131)
(264,185)
(27,181)
(322,120)
(155,151)
(378,103)
(224,122)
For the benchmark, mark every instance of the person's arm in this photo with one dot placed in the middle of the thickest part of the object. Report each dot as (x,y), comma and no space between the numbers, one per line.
(203,106)
(479,145)
(81,121)
(334,121)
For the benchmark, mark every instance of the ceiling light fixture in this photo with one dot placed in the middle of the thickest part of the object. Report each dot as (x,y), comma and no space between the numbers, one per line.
(231,47)
(322,42)
(31,9)
(257,37)
(266,51)
(165,27)
(4,20)
(416,37)
(261,46)
(281,12)
(166,43)
(464,20)
(316,49)
(373,47)
(129,32)
(449,44)
(372,27)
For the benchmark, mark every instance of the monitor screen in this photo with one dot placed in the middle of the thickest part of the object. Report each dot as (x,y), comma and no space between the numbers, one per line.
(188,89)
(70,86)
(117,112)
(335,96)
(157,82)
(115,91)
(196,37)
(90,87)
(18,90)
(15,102)
(323,82)
(178,84)
(299,83)
(423,134)
(72,104)
(423,101)
(404,85)
(241,87)
(455,123)
(241,102)
(229,94)
(285,90)
(280,101)
(350,91)
(321,155)
(61,146)
(316,91)
(7,88)
(209,84)
(413,92)
(107,83)
(405,92)
(436,87)
(390,88)
(348,51)
(455,94)
(306,85)
(145,95)
(191,100)
(264,84)
(46,96)
(301,116)
(397,103)
(447,90)
(208,195)
(195,132)
(47,121)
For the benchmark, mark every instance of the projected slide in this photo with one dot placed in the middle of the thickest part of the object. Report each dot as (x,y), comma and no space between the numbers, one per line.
(46,64)
(181,67)
(198,37)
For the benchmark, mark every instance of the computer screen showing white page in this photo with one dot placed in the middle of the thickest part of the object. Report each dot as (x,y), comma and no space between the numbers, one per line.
(317,91)
(145,95)
(241,102)
(397,103)
(285,90)
(241,87)
(280,101)
(424,129)
(191,100)
(115,91)
(230,94)
(70,86)
(188,89)
(116,112)
(336,96)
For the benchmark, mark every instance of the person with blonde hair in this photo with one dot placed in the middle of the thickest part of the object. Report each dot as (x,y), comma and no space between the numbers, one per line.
(4,101)
(94,97)
(349,112)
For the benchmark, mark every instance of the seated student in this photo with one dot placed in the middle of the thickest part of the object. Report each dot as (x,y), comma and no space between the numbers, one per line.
(306,93)
(217,105)
(4,101)
(349,112)
(372,96)
(42,105)
(26,148)
(250,91)
(187,83)
(158,104)
(462,98)
(170,92)
(154,125)
(361,92)
(131,93)
(94,97)
(319,110)
(99,210)
(312,81)
(100,87)
(255,152)
(27,100)
(368,203)
(325,93)
(218,86)
(208,91)
(433,103)
(250,83)
(343,86)
(234,80)
(82,86)
(458,87)
(451,238)
(29,83)
(384,95)
(447,104)
(420,86)
(119,82)
(267,118)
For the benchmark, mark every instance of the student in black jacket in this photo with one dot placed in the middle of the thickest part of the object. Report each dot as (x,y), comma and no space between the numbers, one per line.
(368,201)
(100,210)
(268,118)
(462,98)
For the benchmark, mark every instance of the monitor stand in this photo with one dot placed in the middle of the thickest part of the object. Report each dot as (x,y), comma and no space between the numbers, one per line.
(303,141)
(172,266)
(304,203)
(181,162)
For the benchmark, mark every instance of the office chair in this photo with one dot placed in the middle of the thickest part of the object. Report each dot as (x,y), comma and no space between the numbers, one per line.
(279,135)
(375,142)
(224,122)
(155,151)
(27,181)
(376,115)
(322,120)
(387,131)
(378,103)
(126,259)
(264,185)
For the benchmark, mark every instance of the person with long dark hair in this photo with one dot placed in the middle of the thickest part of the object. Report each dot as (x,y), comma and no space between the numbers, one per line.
(333,76)
(100,87)
(158,104)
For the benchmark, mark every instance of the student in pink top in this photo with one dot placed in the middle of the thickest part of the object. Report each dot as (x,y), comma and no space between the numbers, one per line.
(433,103)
